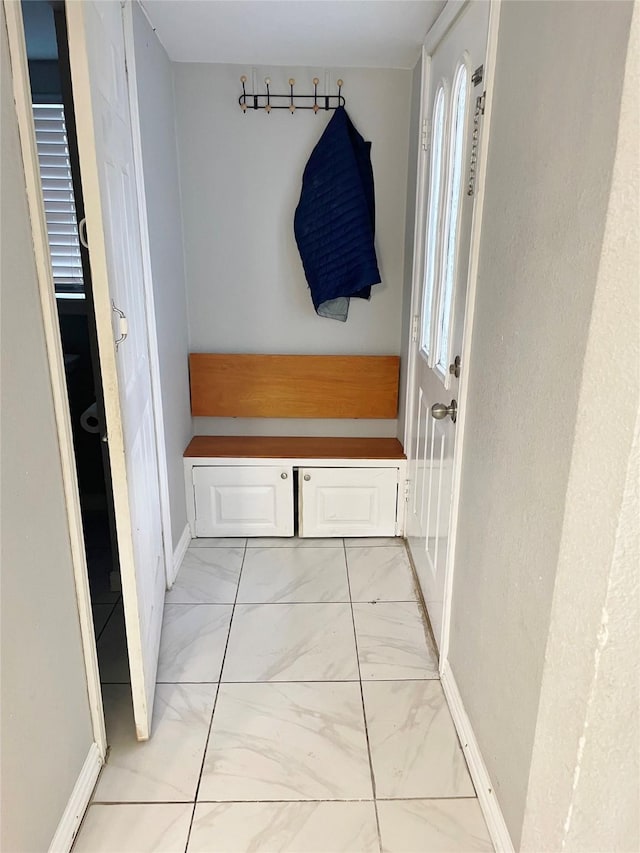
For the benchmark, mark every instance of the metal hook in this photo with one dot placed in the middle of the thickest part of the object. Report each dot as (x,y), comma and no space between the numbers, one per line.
(267,82)
(339,91)
(292,107)
(315,95)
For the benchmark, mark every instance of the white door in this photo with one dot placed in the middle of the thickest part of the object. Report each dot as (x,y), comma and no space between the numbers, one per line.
(243,501)
(452,104)
(347,501)
(97,56)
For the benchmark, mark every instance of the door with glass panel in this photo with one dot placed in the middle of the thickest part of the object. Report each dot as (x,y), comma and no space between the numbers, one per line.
(452,107)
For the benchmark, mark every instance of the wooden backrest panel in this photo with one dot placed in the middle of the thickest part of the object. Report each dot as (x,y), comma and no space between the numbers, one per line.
(294,386)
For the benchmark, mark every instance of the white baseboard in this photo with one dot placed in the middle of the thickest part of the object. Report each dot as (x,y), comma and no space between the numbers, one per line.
(78,802)
(180,551)
(479,773)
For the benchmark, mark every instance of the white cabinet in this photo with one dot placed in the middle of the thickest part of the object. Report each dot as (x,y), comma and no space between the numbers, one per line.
(243,501)
(255,496)
(347,501)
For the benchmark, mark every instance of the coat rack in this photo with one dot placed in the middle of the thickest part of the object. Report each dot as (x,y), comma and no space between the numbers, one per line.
(268,101)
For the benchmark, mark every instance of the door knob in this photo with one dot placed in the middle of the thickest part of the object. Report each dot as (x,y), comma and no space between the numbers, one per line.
(283,475)
(307,477)
(439,411)
(454,369)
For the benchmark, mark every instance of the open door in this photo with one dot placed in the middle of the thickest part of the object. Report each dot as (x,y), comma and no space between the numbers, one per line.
(452,108)
(100,93)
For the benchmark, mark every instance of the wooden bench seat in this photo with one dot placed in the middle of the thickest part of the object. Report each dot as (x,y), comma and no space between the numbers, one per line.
(259,485)
(292,447)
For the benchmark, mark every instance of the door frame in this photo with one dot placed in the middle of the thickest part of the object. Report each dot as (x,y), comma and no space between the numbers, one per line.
(22,97)
(433,37)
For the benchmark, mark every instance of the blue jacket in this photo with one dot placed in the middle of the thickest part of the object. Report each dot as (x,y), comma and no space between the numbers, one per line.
(334,223)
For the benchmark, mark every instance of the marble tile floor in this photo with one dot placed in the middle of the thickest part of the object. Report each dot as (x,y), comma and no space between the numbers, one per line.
(298,708)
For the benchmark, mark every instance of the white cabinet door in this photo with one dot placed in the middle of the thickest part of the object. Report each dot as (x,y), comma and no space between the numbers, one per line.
(348,501)
(243,501)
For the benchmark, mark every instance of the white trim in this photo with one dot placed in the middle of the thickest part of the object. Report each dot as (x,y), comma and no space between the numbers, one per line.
(418,256)
(190,495)
(178,554)
(78,802)
(443,24)
(292,462)
(22,97)
(467,334)
(154,360)
(477,768)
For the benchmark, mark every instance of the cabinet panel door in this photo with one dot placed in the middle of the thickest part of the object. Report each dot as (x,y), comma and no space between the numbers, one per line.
(348,501)
(243,501)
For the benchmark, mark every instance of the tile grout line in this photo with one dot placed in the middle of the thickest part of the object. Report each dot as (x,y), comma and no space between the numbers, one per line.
(215,702)
(266,802)
(316,800)
(289,681)
(364,713)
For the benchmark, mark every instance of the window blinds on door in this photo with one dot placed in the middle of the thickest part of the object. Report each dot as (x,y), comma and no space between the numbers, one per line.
(59,203)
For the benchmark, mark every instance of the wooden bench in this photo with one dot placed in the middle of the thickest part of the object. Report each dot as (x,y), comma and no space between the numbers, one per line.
(252,485)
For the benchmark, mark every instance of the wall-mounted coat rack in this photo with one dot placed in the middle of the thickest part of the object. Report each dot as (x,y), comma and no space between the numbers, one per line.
(267,101)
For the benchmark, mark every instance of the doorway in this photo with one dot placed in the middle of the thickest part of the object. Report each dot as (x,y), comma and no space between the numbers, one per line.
(453,86)
(54,121)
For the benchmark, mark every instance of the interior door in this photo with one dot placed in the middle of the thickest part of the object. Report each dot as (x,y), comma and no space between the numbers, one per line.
(98,71)
(452,109)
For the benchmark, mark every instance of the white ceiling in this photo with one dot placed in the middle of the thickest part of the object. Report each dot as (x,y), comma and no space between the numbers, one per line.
(330,33)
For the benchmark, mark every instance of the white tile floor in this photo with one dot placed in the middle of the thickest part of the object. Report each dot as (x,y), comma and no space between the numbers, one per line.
(298,708)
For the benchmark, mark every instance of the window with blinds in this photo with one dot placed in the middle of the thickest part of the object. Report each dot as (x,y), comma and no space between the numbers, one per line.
(59,203)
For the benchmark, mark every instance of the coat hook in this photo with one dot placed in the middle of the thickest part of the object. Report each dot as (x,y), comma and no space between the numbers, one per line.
(315,94)
(267,81)
(243,105)
(292,107)
(339,91)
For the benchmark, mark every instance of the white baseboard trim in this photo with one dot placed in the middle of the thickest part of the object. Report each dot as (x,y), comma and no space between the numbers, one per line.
(180,551)
(479,773)
(78,802)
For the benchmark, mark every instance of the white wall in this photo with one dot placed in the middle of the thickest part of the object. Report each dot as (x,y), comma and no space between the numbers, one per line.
(158,132)
(584,785)
(46,728)
(241,177)
(554,124)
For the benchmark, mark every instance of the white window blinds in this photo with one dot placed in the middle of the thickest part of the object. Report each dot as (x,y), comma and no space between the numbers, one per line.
(59,203)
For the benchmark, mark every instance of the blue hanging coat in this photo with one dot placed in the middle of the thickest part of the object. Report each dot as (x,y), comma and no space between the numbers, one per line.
(334,223)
